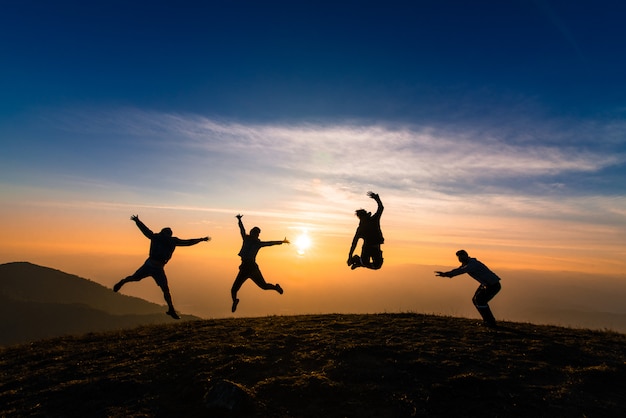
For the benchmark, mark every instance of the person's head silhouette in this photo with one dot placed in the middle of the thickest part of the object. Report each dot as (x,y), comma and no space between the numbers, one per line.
(167,232)
(462,256)
(362,214)
(255,232)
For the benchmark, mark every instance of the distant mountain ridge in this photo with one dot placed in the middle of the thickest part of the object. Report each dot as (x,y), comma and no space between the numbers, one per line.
(40,302)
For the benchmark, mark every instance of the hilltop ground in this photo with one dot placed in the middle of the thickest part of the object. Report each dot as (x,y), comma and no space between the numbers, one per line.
(387,365)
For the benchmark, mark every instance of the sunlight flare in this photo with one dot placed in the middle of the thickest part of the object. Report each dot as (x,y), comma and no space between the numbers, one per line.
(302,243)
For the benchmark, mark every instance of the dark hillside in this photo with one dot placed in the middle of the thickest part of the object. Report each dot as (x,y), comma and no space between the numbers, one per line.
(388,365)
(30,321)
(39,302)
(33,283)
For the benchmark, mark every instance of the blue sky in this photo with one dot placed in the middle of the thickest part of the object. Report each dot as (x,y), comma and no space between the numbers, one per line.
(494,125)
(522,73)
(282,60)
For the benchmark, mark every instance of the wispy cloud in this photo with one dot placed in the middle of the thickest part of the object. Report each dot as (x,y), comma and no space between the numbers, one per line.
(195,161)
(400,157)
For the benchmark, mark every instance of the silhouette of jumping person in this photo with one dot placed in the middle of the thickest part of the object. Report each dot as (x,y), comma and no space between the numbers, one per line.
(489,284)
(162,246)
(249,269)
(368,230)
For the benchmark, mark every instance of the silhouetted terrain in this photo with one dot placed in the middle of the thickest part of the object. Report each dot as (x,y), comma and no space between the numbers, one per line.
(386,365)
(39,302)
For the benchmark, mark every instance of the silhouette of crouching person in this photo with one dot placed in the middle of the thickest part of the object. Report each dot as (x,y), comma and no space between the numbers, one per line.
(489,284)
(162,246)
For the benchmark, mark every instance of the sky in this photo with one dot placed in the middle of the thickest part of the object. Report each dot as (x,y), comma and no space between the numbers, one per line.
(497,127)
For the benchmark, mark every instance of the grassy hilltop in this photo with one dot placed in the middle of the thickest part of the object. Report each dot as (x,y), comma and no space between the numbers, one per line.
(384,365)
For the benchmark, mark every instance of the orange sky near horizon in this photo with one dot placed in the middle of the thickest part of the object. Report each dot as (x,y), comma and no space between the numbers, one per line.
(36,235)
(103,244)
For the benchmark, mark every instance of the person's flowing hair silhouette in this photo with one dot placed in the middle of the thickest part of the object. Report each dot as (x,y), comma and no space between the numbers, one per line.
(370,232)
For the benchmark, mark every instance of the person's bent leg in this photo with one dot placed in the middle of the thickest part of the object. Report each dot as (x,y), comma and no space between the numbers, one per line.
(140,274)
(366,257)
(168,298)
(355,262)
(258,278)
(118,285)
(242,276)
(377,260)
(372,257)
(161,280)
(486,314)
(481,298)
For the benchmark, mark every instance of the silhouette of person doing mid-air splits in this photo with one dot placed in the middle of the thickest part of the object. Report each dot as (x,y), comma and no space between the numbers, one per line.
(249,269)
(369,230)
(489,284)
(162,246)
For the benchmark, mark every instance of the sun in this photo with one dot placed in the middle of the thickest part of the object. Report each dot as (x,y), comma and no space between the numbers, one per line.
(302,243)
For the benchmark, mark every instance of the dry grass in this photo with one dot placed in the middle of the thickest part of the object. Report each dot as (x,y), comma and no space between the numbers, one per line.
(386,365)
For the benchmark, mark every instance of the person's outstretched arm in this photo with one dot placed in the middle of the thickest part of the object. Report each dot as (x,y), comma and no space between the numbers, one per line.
(268,243)
(452,273)
(188,242)
(376,197)
(242,230)
(142,227)
(352,247)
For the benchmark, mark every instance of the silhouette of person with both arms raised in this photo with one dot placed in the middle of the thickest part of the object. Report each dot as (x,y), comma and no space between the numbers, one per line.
(249,269)
(368,230)
(489,284)
(162,246)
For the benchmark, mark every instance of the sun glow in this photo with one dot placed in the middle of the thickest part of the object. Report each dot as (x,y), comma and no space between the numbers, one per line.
(302,243)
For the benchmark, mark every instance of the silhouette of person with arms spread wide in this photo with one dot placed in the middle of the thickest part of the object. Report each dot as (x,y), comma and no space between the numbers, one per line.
(162,246)
(489,284)
(368,230)
(249,269)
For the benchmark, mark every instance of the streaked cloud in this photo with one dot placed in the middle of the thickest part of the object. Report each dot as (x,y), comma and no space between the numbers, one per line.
(404,157)
(320,169)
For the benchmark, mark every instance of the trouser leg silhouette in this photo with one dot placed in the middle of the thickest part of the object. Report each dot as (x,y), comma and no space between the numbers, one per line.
(481,298)
(486,313)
